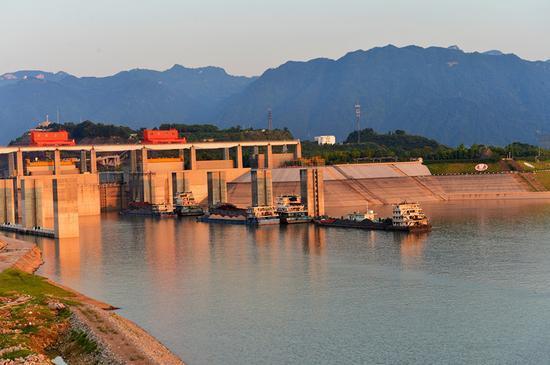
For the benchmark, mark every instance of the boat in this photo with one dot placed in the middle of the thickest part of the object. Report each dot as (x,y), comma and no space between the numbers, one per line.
(262,215)
(406,217)
(186,205)
(225,213)
(291,210)
(147,209)
(229,213)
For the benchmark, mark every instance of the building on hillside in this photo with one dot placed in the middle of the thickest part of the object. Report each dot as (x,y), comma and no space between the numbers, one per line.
(321,140)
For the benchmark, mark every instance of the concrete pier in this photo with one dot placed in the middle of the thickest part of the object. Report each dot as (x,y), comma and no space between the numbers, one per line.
(269,157)
(262,188)
(193,158)
(217,188)
(56,162)
(239,157)
(7,201)
(65,207)
(83,162)
(19,162)
(93,161)
(312,189)
(33,212)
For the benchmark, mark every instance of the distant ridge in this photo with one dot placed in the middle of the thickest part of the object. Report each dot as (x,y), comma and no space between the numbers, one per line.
(442,93)
(494,52)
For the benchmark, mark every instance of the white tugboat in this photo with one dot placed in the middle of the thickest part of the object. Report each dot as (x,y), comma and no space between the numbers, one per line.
(291,210)
(410,216)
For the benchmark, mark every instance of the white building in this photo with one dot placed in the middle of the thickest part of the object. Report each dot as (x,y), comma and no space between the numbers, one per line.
(325,140)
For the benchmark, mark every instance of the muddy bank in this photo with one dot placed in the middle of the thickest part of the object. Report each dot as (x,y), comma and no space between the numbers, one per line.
(82,330)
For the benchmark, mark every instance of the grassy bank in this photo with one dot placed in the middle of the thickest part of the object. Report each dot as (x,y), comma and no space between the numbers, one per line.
(543,177)
(534,165)
(34,316)
(443,168)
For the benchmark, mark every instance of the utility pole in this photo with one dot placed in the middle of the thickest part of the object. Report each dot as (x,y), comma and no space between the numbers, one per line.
(269,119)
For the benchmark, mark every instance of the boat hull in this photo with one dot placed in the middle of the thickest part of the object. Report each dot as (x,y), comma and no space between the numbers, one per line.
(369,225)
(189,212)
(298,220)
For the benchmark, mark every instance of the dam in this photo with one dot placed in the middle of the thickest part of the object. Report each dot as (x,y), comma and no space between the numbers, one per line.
(390,183)
(45,189)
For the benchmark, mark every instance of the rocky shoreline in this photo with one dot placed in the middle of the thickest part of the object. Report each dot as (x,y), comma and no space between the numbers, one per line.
(106,337)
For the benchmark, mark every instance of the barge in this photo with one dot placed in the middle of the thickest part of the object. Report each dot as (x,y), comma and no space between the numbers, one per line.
(406,217)
(224,213)
(229,213)
(148,209)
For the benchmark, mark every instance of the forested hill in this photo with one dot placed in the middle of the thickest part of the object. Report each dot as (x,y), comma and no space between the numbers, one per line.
(89,132)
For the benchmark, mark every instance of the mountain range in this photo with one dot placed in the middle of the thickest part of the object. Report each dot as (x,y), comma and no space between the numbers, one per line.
(443,93)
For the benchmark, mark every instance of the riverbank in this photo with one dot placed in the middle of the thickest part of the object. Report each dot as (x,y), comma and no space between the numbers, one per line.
(41,320)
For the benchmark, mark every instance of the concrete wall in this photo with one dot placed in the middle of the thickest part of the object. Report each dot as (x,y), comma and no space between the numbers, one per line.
(65,198)
(49,170)
(86,185)
(262,188)
(214,164)
(7,201)
(164,166)
(360,192)
(88,194)
(354,171)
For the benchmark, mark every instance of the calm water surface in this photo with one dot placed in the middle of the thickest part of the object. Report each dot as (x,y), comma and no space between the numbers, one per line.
(476,290)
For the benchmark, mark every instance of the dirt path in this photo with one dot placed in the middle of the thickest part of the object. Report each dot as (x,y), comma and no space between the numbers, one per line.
(128,343)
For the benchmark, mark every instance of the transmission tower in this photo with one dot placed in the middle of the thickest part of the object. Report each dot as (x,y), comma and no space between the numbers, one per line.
(269,119)
(358,121)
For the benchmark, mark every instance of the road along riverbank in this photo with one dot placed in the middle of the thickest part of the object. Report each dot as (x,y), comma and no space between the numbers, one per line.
(41,320)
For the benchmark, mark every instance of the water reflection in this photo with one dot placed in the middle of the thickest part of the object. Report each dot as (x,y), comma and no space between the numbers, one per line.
(412,247)
(225,294)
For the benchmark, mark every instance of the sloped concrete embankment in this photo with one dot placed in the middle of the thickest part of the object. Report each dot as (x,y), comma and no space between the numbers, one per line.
(341,193)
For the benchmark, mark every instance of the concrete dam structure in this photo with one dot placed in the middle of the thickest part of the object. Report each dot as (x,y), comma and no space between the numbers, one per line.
(46,189)
(389,183)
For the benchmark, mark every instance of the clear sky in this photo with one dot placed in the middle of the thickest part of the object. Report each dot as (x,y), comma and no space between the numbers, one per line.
(101,37)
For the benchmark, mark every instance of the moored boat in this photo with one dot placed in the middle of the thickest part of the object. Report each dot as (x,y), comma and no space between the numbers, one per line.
(406,217)
(291,210)
(186,205)
(148,209)
(262,215)
(225,213)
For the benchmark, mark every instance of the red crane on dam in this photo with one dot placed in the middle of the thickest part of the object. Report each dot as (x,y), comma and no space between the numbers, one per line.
(153,136)
(49,139)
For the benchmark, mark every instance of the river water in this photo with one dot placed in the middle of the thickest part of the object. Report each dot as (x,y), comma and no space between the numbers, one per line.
(476,290)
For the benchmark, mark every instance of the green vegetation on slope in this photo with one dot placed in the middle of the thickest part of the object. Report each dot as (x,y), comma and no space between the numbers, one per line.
(543,177)
(402,146)
(12,280)
(443,168)
(33,313)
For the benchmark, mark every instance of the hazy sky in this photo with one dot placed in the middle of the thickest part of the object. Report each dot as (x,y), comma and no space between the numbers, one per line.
(101,37)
